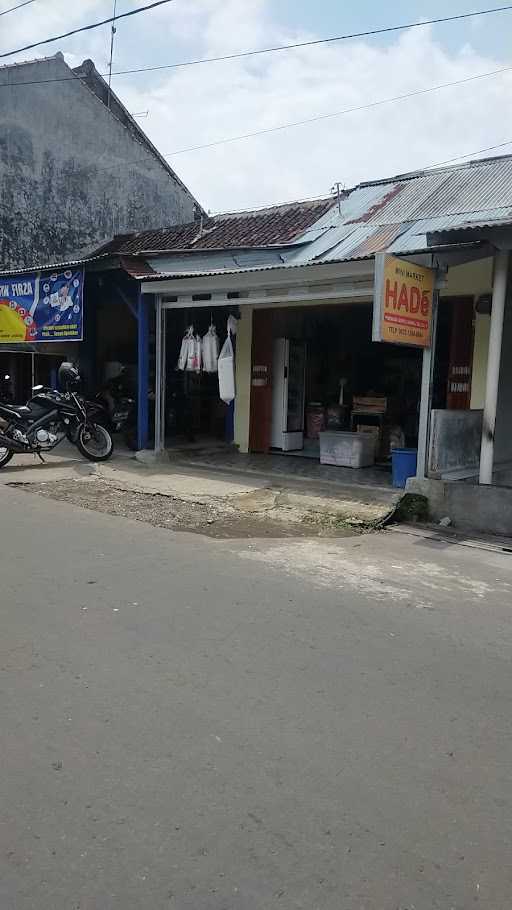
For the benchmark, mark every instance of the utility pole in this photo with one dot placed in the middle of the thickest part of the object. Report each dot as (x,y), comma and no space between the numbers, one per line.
(112,37)
(339,189)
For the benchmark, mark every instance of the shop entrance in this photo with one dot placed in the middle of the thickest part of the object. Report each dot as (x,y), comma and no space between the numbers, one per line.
(315,369)
(194,411)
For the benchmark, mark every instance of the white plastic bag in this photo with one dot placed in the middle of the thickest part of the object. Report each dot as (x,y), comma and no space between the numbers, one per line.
(210,350)
(226,368)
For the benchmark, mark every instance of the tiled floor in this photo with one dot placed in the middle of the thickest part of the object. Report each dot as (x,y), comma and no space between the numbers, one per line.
(277,466)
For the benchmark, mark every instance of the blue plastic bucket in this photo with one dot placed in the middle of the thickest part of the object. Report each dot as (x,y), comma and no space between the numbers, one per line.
(404,463)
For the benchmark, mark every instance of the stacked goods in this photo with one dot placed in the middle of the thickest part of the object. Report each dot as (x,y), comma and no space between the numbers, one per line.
(370,404)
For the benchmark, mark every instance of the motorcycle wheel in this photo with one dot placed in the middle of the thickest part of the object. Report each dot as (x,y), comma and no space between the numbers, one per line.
(5,457)
(94,442)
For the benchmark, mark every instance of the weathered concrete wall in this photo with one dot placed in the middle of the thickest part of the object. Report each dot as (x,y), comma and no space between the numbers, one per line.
(71,173)
(470,507)
(455,441)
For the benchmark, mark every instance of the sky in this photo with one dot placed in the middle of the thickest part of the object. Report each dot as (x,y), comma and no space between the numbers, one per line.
(197,105)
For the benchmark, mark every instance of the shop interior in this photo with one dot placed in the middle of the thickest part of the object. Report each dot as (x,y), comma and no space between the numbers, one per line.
(20,370)
(194,411)
(329,377)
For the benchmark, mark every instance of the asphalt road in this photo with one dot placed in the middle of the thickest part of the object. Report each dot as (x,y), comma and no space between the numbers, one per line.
(223,724)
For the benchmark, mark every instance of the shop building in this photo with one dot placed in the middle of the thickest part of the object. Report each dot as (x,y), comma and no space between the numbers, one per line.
(302,280)
(303,283)
(88,311)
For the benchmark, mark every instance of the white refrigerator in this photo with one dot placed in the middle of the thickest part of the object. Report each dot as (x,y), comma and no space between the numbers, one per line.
(288,393)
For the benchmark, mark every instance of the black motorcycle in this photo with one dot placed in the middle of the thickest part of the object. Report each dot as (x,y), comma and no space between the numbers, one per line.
(51,416)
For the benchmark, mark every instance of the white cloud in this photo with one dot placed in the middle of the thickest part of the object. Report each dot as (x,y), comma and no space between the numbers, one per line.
(195,105)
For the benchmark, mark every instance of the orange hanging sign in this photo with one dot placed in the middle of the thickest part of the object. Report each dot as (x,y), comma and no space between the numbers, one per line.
(403,302)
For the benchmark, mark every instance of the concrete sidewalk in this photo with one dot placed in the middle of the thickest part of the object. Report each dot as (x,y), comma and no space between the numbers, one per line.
(279,497)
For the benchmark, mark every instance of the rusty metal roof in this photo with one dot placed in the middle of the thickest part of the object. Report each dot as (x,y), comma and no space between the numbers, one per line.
(396,215)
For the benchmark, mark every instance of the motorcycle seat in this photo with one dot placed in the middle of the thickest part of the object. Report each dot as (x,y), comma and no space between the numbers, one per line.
(18,410)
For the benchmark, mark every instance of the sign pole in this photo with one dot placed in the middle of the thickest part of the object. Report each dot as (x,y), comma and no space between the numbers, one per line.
(427,376)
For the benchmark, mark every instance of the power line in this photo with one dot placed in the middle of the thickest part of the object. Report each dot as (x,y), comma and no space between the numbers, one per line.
(4,12)
(251,53)
(490,148)
(119,166)
(323,197)
(347,110)
(86,28)
(287,47)
(362,107)
(112,39)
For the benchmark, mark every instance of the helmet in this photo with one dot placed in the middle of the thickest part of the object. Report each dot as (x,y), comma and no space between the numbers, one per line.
(68,376)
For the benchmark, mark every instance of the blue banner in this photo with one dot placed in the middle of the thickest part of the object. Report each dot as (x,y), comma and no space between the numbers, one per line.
(42,307)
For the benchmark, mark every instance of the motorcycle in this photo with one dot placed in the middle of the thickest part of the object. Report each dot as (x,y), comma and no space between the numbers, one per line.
(118,399)
(51,416)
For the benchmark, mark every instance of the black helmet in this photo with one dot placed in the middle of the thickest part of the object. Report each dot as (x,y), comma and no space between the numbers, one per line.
(68,376)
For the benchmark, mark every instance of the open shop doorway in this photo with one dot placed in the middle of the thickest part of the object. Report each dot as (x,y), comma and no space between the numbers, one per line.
(328,376)
(195,414)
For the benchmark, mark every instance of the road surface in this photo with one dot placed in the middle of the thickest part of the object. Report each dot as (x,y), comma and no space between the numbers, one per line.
(221,724)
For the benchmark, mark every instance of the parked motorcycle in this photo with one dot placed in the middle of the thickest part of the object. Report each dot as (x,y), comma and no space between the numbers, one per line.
(119,399)
(51,416)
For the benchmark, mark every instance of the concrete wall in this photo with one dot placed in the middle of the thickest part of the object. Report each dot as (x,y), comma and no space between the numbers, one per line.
(455,440)
(71,173)
(471,508)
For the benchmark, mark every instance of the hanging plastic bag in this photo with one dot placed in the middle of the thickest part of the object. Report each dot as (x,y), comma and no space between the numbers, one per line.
(210,350)
(226,369)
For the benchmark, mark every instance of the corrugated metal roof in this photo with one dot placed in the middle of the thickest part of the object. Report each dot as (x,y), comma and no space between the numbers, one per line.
(394,215)
(159,276)
(50,267)
(378,240)
(475,221)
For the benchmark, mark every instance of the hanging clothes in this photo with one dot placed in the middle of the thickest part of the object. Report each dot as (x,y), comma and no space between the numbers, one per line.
(190,358)
(210,350)
(185,348)
(232,325)
(195,363)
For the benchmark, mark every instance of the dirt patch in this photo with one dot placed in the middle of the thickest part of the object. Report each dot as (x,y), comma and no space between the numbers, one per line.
(178,515)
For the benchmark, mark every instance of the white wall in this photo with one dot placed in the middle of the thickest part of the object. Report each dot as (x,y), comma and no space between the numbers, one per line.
(473,279)
(480,358)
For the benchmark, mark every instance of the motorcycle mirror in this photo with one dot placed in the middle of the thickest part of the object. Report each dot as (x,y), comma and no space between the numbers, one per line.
(37,388)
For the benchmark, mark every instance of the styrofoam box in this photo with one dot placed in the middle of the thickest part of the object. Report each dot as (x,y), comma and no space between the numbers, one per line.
(348,450)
